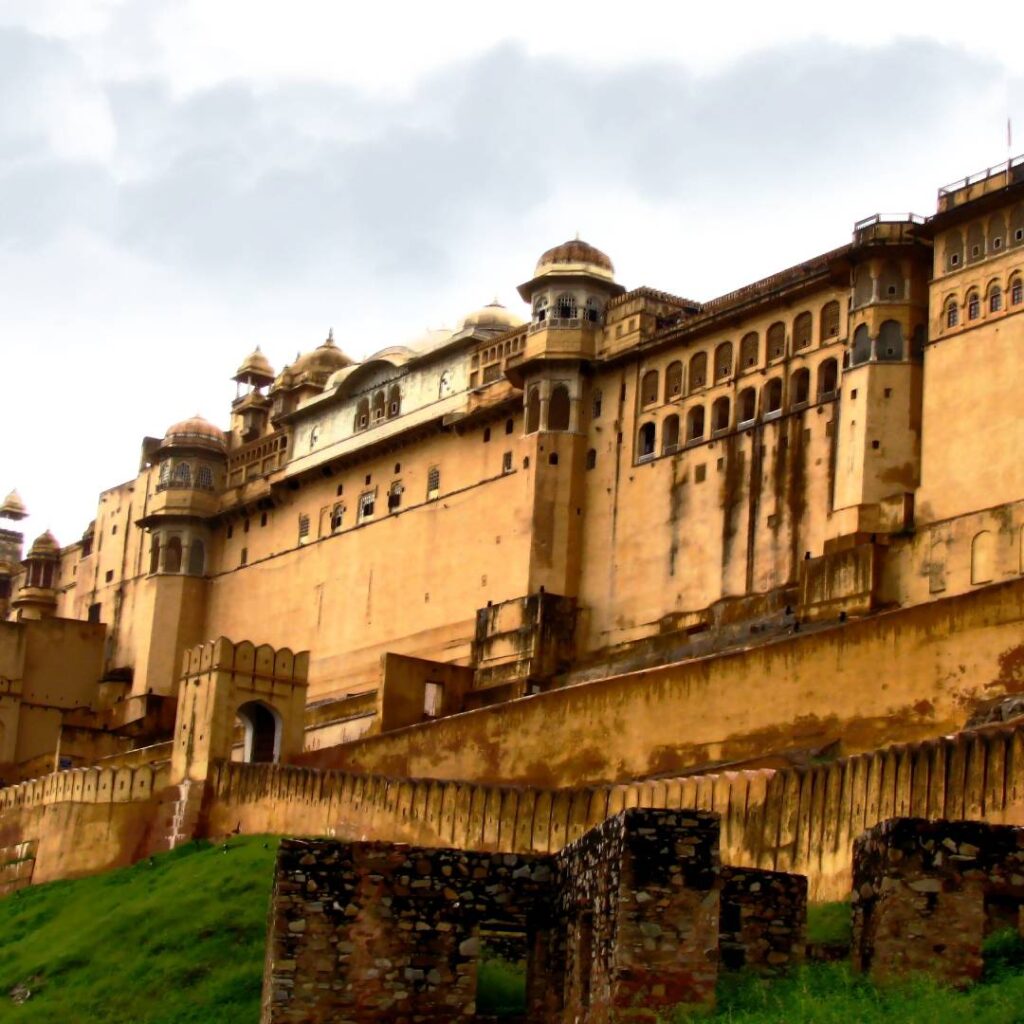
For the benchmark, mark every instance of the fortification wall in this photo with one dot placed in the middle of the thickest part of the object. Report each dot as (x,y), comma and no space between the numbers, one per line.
(901,676)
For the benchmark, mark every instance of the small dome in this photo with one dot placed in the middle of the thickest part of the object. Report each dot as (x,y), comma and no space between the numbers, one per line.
(195,430)
(44,546)
(576,253)
(13,507)
(322,361)
(256,364)
(493,316)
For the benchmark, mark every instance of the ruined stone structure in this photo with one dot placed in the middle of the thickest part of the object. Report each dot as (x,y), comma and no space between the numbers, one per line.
(761,555)
(925,894)
(762,925)
(625,919)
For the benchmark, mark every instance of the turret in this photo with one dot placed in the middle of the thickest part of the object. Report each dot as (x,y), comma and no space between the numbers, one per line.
(250,410)
(37,596)
(13,508)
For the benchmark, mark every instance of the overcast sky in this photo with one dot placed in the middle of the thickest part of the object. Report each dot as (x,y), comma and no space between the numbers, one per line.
(181,181)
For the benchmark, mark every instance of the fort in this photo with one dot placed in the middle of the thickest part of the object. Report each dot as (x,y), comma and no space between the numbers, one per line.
(759,557)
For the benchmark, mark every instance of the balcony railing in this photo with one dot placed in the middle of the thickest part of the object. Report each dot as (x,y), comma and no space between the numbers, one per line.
(989,172)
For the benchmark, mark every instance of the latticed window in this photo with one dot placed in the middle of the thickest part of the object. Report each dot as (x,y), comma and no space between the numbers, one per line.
(952,314)
(1017,292)
(973,306)
(183,475)
(204,478)
(673,381)
(337,516)
(367,500)
(776,341)
(802,331)
(995,299)
(830,320)
(303,528)
(565,307)
(649,388)
(395,496)
(433,483)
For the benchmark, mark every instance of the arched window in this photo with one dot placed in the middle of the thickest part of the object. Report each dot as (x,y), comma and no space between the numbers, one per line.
(695,423)
(670,434)
(362,420)
(973,306)
(995,298)
(645,441)
(394,400)
(649,388)
(204,478)
(698,371)
(723,361)
(747,405)
(592,312)
(983,556)
(172,555)
(890,282)
(540,308)
(673,381)
(749,350)
(196,558)
(802,328)
(558,408)
(861,351)
(800,386)
(720,415)
(975,242)
(954,252)
(1016,232)
(952,313)
(565,307)
(262,744)
(591,458)
(771,396)
(996,232)
(830,320)
(378,405)
(165,473)
(1016,291)
(154,555)
(776,340)
(828,378)
(183,475)
(533,410)
(863,289)
(890,342)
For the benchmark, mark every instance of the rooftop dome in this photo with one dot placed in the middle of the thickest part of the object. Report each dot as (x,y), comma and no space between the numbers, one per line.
(195,430)
(578,255)
(322,361)
(13,507)
(255,364)
(44,546)
(493,316)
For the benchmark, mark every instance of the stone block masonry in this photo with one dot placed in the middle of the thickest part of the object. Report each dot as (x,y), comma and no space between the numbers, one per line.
(925,894)
(621,923)
(16,865)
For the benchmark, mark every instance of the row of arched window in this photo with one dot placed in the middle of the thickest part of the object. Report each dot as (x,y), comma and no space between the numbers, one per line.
(565,306)
(170,556)
(983,239)
(974,305)
(184,474)
(721,418)
(378,407)
(697,374)
(888,346)
(559,409)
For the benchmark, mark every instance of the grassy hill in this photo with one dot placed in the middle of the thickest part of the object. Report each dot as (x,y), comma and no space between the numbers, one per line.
(180,940)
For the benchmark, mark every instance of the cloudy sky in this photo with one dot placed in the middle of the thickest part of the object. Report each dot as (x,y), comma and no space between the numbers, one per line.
(181,180)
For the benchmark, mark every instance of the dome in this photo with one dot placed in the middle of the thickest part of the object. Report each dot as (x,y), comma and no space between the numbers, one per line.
(322,361)
(493,316)
(195,430)
(578,255)
(44,546)
(255,364)
(13,507)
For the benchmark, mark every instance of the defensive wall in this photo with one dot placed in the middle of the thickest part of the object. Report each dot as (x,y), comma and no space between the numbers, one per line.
(801,820)
(898,676)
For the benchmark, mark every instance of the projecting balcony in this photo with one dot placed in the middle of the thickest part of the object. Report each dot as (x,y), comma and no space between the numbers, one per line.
(178,500)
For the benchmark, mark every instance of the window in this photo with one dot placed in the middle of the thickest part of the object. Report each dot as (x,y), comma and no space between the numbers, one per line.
(263,519)
(509,427)
(645,441)
(314,436)
(367,501)
(540,308)
(890,341)
(995,299)
(183,475)
(800,386)
(204,478)
(802,330)
(337,516)
(340,491)
(649,388)
(559,408)
(433,699)
(377,412)
(95,611)
(952,313)
(996,232)
(830,320)
(395,493)
(591,458)
(747,405)
(172,556)
(553,459)
(973,306)
(720,414)
(723,361)
(954,250)
(1016,232)
(772,397)
(154,556)
(695,423)
(828,374)
(303,528)
(394,400)
(243,558)
(196,558)
(861,351)
(863,286)
(776,340)
(698,371)
(565,307)
(592,313)
(433,483)
(109,577)
(487,434)
(670,435)
(165,473)
(596,407)
(890,283)
(975,242)
(362,420)
(1016,292)
(673,380)
(533,410)
(506,462)
(749,350)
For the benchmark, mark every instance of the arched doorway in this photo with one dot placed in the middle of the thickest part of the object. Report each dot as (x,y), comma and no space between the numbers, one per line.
(262,742)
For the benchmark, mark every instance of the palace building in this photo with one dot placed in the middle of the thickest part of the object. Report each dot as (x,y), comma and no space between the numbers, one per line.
(617,480)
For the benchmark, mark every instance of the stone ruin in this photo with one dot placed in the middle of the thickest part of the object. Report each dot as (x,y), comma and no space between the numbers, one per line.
(926,893)
(624,920)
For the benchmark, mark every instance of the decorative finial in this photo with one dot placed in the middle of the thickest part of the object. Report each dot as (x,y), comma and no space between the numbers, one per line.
(330,336)
(577,236)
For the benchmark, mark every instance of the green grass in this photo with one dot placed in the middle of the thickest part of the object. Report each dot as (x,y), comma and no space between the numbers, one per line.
(500,987)
(176,941)
(828,922)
